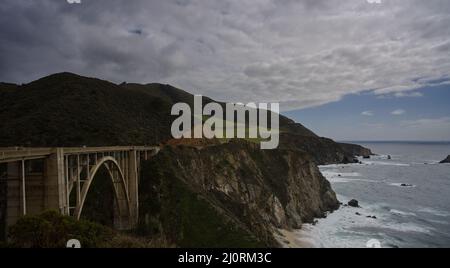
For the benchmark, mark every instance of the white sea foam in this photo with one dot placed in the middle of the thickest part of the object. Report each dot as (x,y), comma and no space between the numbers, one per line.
(340,174)
(339,177)
(397,223)
(344,228)
(381,163)
(342,179)
(402,184)
(429,162)
(438,222)
(406,227)
(339,180)
(403,213)
(334,176)
(434,212)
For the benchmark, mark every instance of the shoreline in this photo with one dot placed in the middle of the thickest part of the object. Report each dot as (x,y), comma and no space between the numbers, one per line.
(293,239)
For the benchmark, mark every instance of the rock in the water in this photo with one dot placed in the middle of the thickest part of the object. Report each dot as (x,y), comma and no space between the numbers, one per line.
(349,160)
(446,160)
(366,157)
(406,185)
(389,157)
(357,213)
(353,203)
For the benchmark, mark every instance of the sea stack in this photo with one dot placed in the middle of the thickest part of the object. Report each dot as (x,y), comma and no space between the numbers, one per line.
(353,203)
(446,160)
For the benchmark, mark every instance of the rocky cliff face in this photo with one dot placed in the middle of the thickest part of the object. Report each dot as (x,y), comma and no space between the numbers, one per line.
(355,150)
(322,150)
(253,190)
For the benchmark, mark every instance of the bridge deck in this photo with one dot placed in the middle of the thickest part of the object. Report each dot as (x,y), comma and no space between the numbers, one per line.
(9,154)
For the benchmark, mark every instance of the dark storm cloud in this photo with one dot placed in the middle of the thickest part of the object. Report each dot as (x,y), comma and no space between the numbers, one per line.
(302,53)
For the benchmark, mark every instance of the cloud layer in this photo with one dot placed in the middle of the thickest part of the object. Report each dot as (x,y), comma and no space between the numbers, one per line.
(367,113)
(398,112)
(301,53)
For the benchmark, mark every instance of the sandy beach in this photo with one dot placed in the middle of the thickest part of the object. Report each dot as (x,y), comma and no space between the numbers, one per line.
(293,239)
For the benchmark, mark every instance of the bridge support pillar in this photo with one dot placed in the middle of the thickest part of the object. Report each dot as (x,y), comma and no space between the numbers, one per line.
(133,187)
(55,183)
(15,206)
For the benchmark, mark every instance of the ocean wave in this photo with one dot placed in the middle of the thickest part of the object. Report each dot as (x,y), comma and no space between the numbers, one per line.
(438,222)
(403,185)
(434,212)
(337,166)
(431,162)
(338,180)
(381,163)
(343,177)
(339,174)
(334,176)
(353,227)
(403,213)
(406,227)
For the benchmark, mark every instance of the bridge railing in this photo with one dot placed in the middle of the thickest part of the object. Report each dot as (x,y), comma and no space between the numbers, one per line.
(18,153)
(10,154)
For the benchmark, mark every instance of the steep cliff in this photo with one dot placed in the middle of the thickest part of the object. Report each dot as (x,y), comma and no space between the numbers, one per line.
(238,186)
(322,150)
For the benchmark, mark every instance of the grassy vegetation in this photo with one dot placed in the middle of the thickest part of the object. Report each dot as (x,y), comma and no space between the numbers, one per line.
(247,128)
(52,230)
(69,110)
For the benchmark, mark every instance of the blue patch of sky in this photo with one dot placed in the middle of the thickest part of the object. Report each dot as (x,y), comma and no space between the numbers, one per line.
(343,120)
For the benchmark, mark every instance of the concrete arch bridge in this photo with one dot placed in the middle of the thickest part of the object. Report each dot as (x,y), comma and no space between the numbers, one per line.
(38,179)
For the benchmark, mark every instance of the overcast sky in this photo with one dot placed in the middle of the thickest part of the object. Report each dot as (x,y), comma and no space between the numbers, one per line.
(303,54)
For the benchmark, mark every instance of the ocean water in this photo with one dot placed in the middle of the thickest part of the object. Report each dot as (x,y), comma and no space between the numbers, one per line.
(413,216)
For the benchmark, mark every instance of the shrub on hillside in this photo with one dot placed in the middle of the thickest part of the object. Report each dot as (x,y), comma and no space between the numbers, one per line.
(52,230)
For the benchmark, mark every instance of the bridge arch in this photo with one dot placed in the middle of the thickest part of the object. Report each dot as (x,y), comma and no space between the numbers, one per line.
(121,193)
